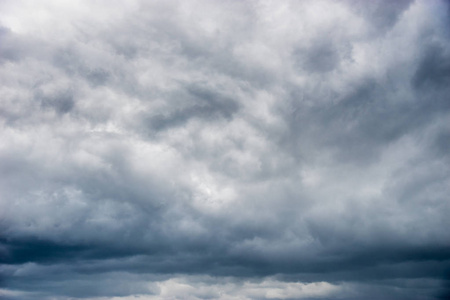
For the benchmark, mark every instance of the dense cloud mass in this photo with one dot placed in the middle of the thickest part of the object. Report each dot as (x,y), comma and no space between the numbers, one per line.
(224,149)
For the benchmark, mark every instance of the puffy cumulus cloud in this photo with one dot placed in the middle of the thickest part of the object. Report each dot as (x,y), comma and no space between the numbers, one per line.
(224,149)
(205,288)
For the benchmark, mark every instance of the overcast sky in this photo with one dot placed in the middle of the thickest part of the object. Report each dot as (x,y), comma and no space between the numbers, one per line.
(224,150)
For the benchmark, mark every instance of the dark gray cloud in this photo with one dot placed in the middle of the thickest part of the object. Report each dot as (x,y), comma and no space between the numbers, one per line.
(224,150)
(434,69)
(383,15)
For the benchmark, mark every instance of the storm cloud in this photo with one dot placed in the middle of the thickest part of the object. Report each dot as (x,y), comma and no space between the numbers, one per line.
(224,149)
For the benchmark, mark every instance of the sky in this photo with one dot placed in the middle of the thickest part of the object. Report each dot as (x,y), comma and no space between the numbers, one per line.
(224,149)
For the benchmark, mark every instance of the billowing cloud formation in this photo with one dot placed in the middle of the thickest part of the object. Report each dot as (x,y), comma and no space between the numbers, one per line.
(224,149)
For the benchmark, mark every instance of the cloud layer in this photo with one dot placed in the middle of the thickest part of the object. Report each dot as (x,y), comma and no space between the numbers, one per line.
(224,149)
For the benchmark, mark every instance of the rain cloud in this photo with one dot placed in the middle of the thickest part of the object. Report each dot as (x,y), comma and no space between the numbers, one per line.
(224,149)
